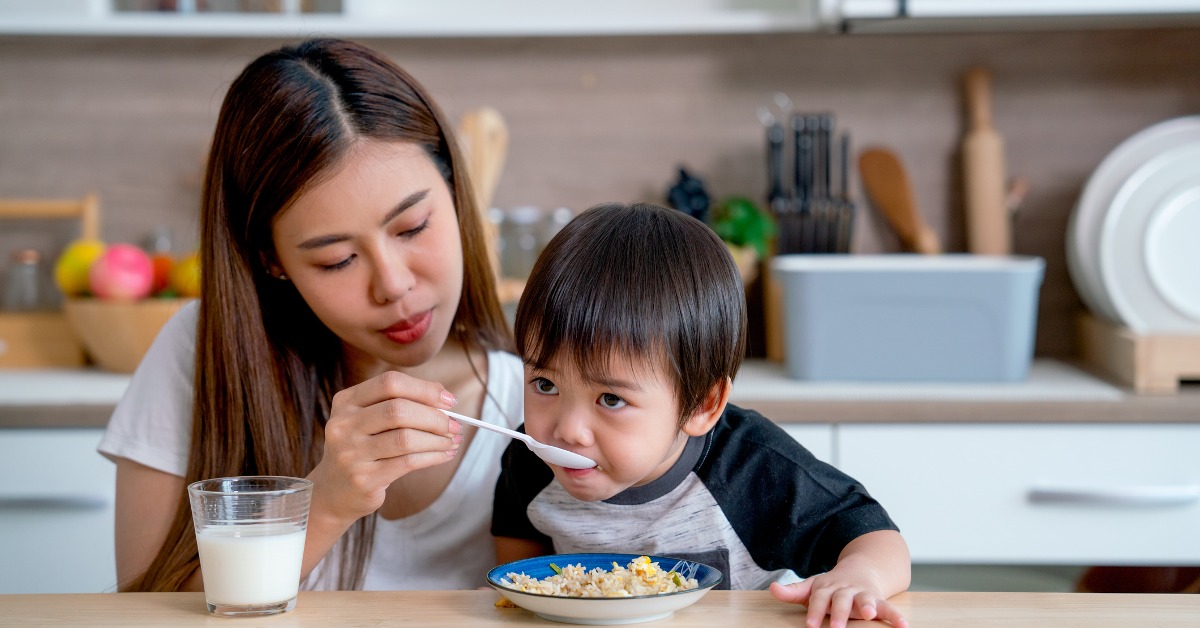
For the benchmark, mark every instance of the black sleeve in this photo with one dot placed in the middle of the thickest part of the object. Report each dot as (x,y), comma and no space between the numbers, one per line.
(522,476)
(790,509)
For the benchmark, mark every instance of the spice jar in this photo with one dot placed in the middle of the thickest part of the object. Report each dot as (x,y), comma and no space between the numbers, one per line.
(21,293)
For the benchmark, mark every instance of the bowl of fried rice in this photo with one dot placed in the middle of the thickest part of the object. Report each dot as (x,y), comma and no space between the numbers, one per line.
(603,588)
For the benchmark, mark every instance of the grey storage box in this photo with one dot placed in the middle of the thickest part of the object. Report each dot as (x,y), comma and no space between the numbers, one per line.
(908,317)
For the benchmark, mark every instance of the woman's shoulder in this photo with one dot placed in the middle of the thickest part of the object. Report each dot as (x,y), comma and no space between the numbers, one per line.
(176,340)
(184,321)
(151,424)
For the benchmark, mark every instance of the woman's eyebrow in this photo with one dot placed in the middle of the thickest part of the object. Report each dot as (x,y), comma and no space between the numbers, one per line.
(409,201)
(333,238)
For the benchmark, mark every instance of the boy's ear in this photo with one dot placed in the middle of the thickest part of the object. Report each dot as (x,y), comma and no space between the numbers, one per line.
(710,410)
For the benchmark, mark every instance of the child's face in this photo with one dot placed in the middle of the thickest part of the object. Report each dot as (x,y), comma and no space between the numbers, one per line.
(374,249)
(628,423)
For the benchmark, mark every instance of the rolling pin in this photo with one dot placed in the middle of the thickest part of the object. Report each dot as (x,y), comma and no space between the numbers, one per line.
(989,231)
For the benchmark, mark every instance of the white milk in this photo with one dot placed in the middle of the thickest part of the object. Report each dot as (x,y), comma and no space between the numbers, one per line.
(243,570)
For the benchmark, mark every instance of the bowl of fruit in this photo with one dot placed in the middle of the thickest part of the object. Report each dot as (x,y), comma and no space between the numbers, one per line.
(118,297)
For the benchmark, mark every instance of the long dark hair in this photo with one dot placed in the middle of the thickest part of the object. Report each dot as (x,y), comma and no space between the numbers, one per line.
(266,367)
(637,281)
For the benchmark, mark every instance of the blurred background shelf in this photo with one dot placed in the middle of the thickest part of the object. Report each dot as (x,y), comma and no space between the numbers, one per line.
(521,18)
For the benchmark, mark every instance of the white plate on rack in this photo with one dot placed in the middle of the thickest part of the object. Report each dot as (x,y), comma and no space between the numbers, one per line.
(1088,219)
(1150,245)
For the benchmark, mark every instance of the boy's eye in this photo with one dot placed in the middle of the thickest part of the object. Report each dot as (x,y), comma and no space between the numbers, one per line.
(544,386)
(611,401)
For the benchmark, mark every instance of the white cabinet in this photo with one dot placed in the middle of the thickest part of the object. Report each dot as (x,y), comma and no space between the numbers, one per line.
(57,500)
(1034,493)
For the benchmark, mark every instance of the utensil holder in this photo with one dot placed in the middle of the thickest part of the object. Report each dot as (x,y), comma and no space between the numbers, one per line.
(45,339)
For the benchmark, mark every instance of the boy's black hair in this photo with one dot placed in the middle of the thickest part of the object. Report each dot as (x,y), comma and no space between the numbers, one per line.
(637,281)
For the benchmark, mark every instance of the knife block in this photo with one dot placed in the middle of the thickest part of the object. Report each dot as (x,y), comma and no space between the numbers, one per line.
(1148,363)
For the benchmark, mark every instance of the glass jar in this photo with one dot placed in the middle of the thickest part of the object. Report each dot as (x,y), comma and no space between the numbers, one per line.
(21,292)
(521,240)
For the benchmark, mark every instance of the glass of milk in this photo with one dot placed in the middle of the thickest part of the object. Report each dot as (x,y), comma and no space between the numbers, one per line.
(250,532)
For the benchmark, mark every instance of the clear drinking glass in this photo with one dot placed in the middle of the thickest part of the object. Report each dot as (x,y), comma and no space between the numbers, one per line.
(250,532)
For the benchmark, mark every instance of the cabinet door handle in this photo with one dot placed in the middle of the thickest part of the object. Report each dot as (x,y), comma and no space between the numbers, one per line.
(53,502)
(1130,496)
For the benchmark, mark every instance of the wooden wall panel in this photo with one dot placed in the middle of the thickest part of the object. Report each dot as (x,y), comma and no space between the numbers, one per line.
(597,119)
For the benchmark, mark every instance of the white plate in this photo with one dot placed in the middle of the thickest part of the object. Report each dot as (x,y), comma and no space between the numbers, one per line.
(602,610)
(1087,221)
(1150,245)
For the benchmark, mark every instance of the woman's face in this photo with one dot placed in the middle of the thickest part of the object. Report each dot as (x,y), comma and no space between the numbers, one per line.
(375,252)
(627,421)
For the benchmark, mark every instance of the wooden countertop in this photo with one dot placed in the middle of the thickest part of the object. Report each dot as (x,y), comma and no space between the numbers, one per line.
(717,609)
(1054,392)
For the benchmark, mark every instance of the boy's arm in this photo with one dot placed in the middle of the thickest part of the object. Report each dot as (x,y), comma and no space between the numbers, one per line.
(882,556)
(870,569)
(509,549)
(522,476)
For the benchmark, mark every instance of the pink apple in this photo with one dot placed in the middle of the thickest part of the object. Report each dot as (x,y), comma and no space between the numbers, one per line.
(123,272)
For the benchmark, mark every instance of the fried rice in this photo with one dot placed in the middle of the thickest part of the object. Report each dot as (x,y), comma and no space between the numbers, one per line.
(640,577)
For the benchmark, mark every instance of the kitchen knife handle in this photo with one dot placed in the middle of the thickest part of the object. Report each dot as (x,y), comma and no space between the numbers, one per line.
(775,137)
(1125,496)
(798,132)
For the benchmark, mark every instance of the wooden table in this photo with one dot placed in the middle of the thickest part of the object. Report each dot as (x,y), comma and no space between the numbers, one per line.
(718,609)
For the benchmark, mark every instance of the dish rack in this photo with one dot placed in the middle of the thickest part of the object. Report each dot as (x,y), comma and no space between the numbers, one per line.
(1149,363)
(45,339)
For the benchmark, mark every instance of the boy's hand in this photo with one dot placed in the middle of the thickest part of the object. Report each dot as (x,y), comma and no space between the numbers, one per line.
(841,599)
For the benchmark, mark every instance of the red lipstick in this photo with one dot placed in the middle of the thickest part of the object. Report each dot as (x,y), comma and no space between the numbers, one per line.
(410,330)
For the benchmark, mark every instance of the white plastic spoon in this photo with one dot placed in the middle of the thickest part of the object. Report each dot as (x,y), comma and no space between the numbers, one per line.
(549,453)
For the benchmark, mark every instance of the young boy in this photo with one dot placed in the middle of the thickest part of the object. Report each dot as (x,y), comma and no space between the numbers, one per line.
(631,328)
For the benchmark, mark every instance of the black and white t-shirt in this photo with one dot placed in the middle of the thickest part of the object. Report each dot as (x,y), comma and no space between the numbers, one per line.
(745,498)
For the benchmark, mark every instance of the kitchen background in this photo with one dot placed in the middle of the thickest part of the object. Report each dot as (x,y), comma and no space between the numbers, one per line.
(600,118)
(603,118)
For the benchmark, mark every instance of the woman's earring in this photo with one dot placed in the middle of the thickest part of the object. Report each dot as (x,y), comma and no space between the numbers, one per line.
(281,277)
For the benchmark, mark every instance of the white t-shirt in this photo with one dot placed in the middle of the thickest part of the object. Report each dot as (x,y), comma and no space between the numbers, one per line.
(445,546)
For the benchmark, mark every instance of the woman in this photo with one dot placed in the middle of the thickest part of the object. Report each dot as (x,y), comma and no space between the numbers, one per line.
(346,297)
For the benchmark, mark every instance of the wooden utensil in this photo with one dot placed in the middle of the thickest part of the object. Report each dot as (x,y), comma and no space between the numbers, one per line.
(989,231)
(484,137)
(889,190)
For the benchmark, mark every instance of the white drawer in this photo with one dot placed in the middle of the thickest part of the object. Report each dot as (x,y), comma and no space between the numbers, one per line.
(1038,494)
(816,437)
(57,499)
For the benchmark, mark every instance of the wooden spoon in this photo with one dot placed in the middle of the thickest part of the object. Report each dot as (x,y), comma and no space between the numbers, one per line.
(888,187)
(484,137)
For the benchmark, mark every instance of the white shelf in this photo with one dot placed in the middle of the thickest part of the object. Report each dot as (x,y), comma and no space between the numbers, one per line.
(60,387)
(456,18)
(920,16)
(1048,380)
(562,18)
